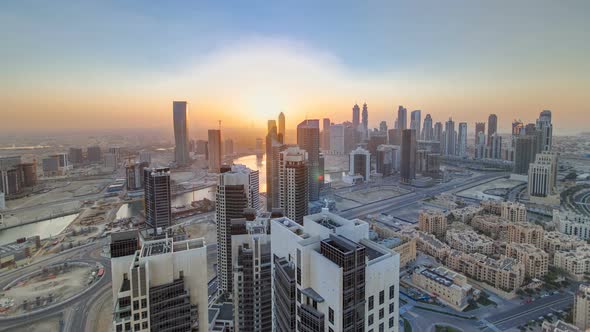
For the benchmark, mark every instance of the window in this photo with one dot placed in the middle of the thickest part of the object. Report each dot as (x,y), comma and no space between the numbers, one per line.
(381,327)
(136,326)
(391,322)
(143,303)
(331,315)
(391,307)
(144,315)
(370,319)
(391,292)
(371,302)
(381,297)
(381,313)
(135,305)
(136,316)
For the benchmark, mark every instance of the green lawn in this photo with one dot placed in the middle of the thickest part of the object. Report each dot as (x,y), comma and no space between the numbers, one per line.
(407,326)
(440,328)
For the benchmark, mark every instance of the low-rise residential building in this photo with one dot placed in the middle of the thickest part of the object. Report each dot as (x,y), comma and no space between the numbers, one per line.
(555,241)
(506,273)
(433,222)
(430,245)
(492,226)
(535,260)
(514,212)
(469,241)
(491,206)
(576,262)
(581,309)
(526,233)
(572,223)
(466,214)
(558,326)
(447,285)
(405,246)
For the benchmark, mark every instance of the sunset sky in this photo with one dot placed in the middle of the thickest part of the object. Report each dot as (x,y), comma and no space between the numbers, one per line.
(120,64)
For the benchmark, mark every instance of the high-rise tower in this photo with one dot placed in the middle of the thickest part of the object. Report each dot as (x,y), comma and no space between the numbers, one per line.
(450,138)
(546,128)
(415,121)
(308,138)
(181,139)
(462,139)
(402,118)
(408,156)
(237,190)
(294,183)
(158,213)
(365,115)
(492,126)
(427,130)
(214,147)
(281,133)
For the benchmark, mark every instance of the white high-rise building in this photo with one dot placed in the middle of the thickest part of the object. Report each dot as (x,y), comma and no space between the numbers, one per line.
(462,140)
(237,190)
(360,163)
(427,130)
(181,135)
(337,139)
(162,286)
(543,176)
(328,276)
(546,128)
(293,183)
(415,122)
(581,309)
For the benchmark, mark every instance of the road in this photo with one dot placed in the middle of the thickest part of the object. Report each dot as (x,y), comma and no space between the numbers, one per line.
(396,203)
(89,254)
(522,314)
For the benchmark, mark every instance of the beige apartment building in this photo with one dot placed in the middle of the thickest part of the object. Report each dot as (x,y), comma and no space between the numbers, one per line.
(526,233)
(491,225)
(514,212)
(506,273)
(430,245)
(447,285)
(469,241)
(433,222)
(576,262)
(403,244)
(555,241)
(535,260)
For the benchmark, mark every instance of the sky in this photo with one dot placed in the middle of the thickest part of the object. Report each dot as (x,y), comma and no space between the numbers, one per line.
(120,64)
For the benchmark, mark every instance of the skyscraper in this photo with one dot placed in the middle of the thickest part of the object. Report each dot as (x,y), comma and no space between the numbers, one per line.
(365,114)
(308,138)
(495,147)
(387,159)
(402,118)
(450,138)
(294,183)
(181,139)
(252,291)
(360,163)
(281,133)
(427,130)
(356,116)
(416,121)
(273,148)
(394,136)
(437,132)
(408,156)
(337,139)
(214,147)
(480,127)
(158,213)
(524,153)
(237,190)
(462,139)
(546,128)
(326,134)
(383,126)
(492,126)
(330,274)
(543,175)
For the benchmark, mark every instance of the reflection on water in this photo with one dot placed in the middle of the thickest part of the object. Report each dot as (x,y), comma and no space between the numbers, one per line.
(44,229)
(256,163)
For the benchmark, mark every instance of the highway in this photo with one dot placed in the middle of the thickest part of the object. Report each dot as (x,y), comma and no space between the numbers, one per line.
(522,314)
(395,203)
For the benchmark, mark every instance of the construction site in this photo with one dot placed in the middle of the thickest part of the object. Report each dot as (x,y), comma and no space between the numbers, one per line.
(49,286)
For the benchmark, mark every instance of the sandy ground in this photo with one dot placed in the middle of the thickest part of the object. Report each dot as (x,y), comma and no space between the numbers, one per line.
(61,190)
(203,229)
(477,192)
(61,287)
(46,325)
(360,197)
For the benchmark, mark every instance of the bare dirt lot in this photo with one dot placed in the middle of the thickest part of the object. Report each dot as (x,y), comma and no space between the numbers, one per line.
(58,286)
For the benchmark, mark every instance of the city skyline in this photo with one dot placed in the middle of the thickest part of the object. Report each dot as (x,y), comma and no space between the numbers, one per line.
(122,76)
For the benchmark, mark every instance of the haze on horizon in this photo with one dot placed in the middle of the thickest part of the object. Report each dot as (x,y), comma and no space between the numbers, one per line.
(109,64)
